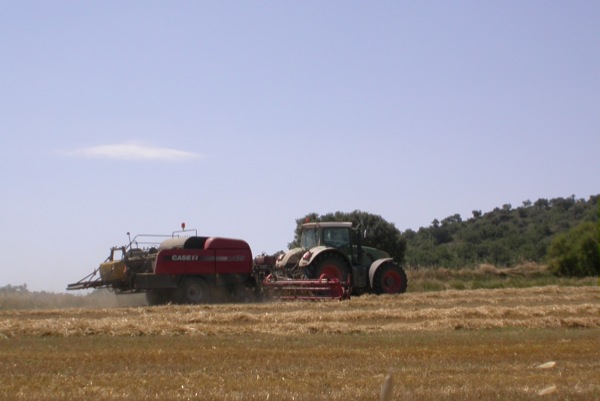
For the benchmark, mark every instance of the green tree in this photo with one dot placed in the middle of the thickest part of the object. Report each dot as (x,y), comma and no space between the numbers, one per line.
(380,233)
(504,236)
(576,252)
(598,240)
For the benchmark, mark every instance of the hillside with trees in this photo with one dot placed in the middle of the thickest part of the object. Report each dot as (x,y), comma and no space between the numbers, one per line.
(555,232)
(506,236)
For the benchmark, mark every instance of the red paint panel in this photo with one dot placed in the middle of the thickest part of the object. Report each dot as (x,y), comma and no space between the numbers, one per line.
(234,261)
(185,261)
(204,262)
(219,243)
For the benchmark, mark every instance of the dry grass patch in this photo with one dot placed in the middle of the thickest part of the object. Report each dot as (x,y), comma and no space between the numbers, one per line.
(488,276)
(434,365)
(546,307)
(451,345)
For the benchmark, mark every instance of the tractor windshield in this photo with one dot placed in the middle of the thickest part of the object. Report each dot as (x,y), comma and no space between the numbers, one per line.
(310,238)
(336,237)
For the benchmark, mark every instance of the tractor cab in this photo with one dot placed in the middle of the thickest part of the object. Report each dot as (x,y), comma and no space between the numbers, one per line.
(343,237)
(334,235)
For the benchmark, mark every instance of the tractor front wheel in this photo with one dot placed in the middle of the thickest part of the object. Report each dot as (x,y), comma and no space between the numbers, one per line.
(193,290)
(331,266)
(390,279)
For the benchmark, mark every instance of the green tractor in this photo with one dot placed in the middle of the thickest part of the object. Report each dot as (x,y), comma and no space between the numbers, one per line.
(334,250)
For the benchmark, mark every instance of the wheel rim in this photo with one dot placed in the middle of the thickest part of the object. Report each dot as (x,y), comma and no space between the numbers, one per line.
(331,271)
(391,282)
(195,293)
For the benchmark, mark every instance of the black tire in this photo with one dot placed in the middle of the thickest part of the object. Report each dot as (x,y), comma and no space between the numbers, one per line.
(390,279)
(332,266)
(159,297)
(242,294)
(193,290)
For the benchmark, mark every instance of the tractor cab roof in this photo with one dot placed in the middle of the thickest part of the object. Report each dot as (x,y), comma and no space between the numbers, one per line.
(328,224)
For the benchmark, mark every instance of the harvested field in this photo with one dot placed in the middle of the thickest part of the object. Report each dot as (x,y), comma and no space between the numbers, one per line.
(546,307)
(478,344)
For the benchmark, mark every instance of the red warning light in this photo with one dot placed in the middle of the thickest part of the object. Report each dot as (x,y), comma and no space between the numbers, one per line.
(183,226)
(307,220)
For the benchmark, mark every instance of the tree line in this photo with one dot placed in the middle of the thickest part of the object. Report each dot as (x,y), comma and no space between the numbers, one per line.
(506,236)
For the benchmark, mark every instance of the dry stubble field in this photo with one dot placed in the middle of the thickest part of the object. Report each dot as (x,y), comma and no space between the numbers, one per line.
(513,344)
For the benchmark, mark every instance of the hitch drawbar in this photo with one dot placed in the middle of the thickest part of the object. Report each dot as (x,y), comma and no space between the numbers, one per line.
(322,289)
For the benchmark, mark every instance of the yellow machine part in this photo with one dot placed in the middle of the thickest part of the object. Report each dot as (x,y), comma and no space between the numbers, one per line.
(112,270)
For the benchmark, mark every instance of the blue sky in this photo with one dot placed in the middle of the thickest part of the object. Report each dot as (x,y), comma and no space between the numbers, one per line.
(238,117)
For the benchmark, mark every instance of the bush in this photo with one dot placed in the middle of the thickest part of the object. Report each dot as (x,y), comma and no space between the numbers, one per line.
(576,252)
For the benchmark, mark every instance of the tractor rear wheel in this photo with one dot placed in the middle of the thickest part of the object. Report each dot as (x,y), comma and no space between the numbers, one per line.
(193,290)
(389,279)
(332,266)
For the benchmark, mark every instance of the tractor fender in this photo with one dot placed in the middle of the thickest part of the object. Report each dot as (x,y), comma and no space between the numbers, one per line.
(375,266)
(320,250)
(291,257)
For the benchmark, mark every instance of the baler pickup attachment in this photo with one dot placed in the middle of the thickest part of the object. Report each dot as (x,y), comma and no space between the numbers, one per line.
(92,280)
(321,289)
(96,280)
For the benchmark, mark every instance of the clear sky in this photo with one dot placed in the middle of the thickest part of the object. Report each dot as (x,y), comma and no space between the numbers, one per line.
(238,117)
